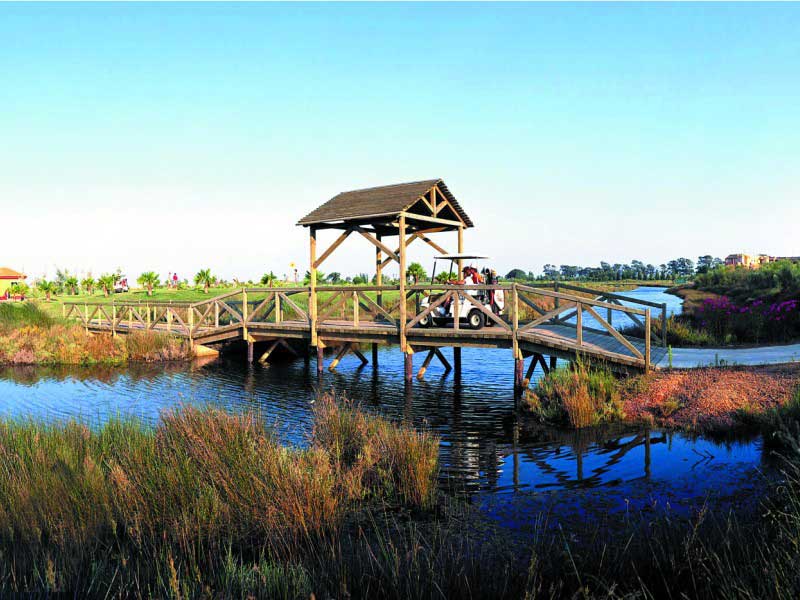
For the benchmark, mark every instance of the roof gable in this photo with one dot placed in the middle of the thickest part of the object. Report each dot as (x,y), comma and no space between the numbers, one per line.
(382,203)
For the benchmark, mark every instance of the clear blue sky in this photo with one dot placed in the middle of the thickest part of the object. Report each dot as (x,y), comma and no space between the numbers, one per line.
(174,137)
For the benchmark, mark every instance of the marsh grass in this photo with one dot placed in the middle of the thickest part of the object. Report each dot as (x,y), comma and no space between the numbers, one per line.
(30,335)
(578,395)
(208,504)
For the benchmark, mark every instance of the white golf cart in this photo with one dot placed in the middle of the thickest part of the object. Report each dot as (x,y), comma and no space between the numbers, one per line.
(494,300)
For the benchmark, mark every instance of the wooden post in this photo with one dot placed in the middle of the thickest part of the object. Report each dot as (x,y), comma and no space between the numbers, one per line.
(647,340)
(216,314)
(519,367)
(610,316)
(553,362)
(378,271)
(403,308)
(312,298)
(409,367)
(113,320)
(456,308)
(355,309)
(460,249)
(278,315)
(555,289)
(579,322)
(249,351)
(244,314)
(664,325)
(190,322)
(457,363)
(374,354)
(148,317)
(320,359)
(515,321)
(86,316)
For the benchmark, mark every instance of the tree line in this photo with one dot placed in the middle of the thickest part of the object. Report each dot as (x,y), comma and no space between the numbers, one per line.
(636,269)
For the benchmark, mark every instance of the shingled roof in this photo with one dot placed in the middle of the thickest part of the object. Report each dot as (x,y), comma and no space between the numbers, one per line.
(385,203)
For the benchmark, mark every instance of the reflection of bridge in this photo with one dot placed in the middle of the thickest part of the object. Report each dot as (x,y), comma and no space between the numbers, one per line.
(538,322)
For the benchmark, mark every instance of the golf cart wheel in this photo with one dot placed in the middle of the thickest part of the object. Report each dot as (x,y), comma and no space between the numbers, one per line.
(425,321)
(475,319)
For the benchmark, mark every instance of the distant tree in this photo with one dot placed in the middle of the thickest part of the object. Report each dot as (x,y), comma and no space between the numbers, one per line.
(416,271)
(707,263)
(71,284)
(106,282)
(568,271)
(19,288)
(204,278)
(268,279)
(512,274)
(334,277)
(48,288)
(446,276)
(307,278)
(550,271)
(361,279)
(149,280)
(88,283)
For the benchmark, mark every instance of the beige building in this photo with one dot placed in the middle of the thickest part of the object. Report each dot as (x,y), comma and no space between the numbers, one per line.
(754,261)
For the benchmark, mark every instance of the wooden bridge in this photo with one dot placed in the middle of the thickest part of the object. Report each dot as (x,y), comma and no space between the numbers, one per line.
(556,321)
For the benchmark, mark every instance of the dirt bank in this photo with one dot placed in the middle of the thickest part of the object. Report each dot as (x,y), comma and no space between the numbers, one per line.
(708,400)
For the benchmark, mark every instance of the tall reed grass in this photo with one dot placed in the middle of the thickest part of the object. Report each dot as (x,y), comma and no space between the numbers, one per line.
(578,395)
(29,335)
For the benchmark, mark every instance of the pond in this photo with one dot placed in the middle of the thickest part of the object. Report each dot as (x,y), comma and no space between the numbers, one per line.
(488,450)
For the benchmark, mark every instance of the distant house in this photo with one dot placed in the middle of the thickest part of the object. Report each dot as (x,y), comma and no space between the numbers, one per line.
(754,261)
(7,278)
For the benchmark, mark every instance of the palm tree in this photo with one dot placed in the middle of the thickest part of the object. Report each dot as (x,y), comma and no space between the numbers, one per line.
(106,281)
(47,287)
(416,271)
(149,279)
(204,278)
(87,283)
(307,278)
(71,283)
(268,279)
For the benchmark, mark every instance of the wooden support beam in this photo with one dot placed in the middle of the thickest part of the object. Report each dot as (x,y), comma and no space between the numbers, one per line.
(379,272)
(320,359)
(332,247)
(264,357)
(402,261)
(360,356)
(519,365)
(460,249)
(379,244)
(374,355)
(457,363)
(426,363)
(443,360)
(312,298)
(249,351)
(529,374)
(416,217)
(340,355)
(408,364)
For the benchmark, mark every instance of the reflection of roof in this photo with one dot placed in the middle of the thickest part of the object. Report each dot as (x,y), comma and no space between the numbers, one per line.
(6,273)
(461,257)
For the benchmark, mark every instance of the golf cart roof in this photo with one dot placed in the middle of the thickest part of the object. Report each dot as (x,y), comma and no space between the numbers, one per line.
(460,257)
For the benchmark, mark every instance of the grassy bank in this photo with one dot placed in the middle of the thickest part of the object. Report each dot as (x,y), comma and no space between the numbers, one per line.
(31,335)
(208,504)
(712,400)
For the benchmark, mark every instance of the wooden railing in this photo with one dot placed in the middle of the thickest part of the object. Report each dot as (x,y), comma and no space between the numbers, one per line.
(529,311)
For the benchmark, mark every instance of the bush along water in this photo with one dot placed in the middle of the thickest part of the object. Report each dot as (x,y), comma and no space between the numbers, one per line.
(577,395)
(751,322)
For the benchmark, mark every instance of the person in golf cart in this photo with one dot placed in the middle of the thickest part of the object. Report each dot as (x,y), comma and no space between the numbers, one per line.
(470,275)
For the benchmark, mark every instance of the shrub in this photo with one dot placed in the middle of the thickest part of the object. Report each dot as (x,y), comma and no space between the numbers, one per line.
(578,395)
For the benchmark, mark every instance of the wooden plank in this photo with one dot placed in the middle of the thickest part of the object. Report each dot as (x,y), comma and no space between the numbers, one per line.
(426,363)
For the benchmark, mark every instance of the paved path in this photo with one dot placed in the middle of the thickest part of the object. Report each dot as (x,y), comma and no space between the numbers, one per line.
(685,358)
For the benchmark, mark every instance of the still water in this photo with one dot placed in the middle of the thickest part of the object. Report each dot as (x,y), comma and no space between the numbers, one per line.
(503,462)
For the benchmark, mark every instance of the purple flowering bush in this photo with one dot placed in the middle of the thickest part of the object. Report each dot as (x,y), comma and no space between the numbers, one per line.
(755,321)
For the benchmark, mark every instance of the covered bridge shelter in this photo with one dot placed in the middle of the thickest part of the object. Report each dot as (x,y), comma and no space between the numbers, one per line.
(408,211)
